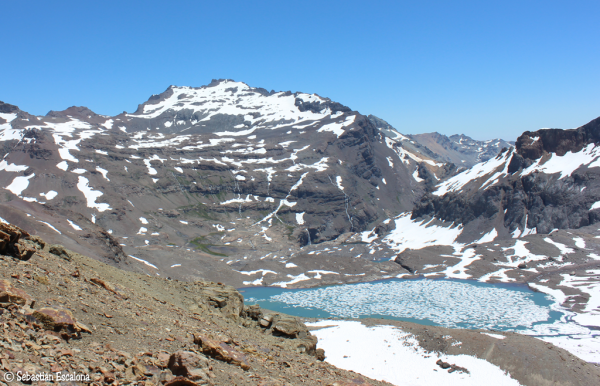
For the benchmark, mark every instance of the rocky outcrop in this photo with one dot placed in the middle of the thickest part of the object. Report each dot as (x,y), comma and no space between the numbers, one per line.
(533,145)
(291,328)
(222,297)
(540,200)
(12,242)
(6,108)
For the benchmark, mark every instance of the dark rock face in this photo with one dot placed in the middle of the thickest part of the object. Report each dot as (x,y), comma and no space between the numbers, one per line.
(557,141)
(317,107)
(537,199)
(7,109)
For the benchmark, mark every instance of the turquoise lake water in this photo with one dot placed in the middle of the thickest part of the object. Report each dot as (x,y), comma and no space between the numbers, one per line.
(443,302)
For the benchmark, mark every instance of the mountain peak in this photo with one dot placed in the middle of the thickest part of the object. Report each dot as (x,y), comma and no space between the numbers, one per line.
(6,108)
(73,111)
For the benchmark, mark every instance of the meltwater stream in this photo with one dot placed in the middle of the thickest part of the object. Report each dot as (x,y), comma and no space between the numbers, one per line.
(443,302)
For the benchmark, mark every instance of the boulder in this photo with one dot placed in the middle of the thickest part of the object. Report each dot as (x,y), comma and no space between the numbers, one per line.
(265,320)
(162,360)
(58,319)
(36,242)
(60,251)
(253,312)
(289,327)
(292,328)
(307,345)
(224,298)
(108,286)
(221,351)
(320,354)
(188,364)
(10,294)
(23,251)
(14,233)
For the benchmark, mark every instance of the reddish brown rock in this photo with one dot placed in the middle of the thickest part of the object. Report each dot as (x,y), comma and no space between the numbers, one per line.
(23,251)
(108,286)
(186,363)
(10,294)
(320,354)
(10,243)
(162,360)
(13,232)
(58,319)
(83,328)
(221,351)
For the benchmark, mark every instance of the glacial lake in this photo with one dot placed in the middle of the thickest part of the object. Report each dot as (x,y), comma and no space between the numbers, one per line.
(443,302)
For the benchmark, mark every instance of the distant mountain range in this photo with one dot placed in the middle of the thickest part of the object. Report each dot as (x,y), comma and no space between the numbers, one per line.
(461,150)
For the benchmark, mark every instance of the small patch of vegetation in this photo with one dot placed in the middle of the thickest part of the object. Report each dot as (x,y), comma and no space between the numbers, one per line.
(201,244)
(220,195)
(290,231)
(183,181)
(198,210)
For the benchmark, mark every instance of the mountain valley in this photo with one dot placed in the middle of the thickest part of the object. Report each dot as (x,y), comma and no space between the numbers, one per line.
(239,185)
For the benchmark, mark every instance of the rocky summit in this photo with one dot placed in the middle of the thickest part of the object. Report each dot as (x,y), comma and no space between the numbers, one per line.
(232,184)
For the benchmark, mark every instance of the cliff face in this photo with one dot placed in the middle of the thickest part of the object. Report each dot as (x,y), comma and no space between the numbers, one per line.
(533,145)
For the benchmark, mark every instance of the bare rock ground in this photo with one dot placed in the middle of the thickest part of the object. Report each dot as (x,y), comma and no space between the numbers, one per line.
(78,316)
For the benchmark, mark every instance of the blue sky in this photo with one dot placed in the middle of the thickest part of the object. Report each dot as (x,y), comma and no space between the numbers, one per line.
(485,69)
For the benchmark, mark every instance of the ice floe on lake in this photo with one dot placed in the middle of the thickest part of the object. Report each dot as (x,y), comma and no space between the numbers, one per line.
(447,303)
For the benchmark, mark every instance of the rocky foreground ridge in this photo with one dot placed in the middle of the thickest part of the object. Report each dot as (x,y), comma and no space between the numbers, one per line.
(63,312)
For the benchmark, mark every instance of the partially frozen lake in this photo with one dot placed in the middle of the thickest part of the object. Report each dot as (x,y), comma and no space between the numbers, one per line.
(444,302)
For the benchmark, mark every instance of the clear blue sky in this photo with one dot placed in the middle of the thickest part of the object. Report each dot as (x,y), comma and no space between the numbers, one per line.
(483,68)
